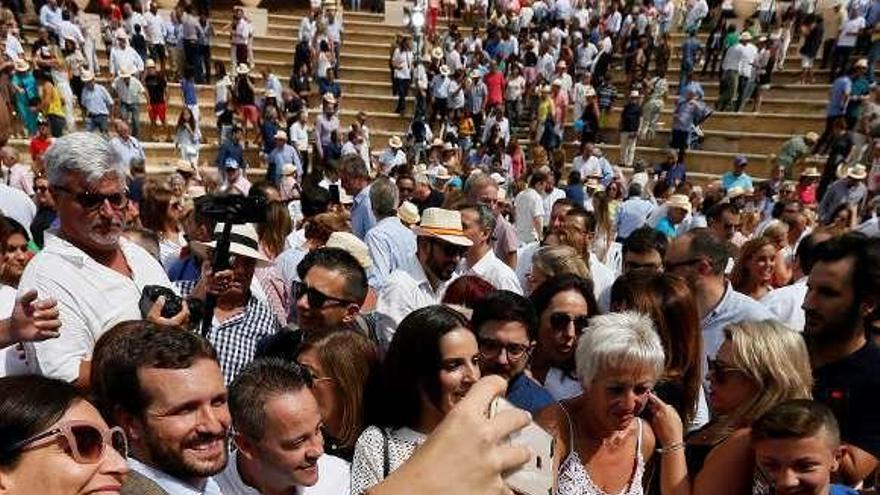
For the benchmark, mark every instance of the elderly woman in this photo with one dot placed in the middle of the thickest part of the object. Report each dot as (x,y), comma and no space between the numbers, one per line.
(54,442)
(564,305)
(601,443)
(759,365)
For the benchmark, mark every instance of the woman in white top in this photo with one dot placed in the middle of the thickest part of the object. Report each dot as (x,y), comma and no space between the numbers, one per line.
(14,257)
(601,443)
(564,305)
(161,211)
(431,363)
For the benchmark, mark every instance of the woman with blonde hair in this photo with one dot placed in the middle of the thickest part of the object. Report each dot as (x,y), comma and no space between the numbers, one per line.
(161,211)
(760,364)
(754,268)
(551,261)
(605,232)
(777,232)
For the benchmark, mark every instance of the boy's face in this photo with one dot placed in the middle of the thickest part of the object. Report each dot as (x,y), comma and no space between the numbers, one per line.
(801,466)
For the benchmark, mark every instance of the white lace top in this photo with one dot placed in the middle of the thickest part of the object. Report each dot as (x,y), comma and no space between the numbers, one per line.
(574,479)
(371,449)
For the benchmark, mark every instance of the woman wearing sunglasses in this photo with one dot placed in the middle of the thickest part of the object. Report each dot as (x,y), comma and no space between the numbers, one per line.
(564,305)
(54,442)
(759,365)
(432,362)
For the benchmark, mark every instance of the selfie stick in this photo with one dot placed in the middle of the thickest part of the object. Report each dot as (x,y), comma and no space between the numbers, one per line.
(221,262)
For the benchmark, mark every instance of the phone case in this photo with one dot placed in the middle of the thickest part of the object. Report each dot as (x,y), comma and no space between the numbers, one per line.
(537,476)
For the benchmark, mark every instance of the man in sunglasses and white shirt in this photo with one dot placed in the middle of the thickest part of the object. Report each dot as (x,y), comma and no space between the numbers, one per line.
(94,273)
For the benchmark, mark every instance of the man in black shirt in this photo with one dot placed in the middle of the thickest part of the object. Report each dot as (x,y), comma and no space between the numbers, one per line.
(156,86)
(843,294)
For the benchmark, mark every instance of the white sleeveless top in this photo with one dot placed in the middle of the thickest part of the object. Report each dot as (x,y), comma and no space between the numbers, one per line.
(574,479)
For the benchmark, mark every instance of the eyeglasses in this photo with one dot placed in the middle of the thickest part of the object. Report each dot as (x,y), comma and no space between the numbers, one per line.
(311,377)
(721,371)
(450,250)
(491,349)
(670,266)
(315,298)
(560,321)
(85,441)
(92,201)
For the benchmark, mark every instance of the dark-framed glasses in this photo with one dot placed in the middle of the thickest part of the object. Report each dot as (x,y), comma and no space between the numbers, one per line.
(85,442)
(491,349)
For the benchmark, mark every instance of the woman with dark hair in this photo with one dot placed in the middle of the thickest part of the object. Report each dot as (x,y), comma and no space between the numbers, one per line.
(431,363)
(14,257)
(161,211)
(54,442)
(187,137)
(343,366)
(564,305)
(668,300)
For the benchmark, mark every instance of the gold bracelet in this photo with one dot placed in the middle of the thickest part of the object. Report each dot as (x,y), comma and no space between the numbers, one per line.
(672,448)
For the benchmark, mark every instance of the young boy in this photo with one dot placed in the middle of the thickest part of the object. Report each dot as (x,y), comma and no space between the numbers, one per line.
(797,446)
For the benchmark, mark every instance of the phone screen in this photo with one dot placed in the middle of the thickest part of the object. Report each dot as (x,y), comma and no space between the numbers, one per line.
(334,194)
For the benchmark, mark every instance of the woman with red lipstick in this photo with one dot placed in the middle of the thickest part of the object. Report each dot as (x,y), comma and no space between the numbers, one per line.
(54,442)
(754,269)
(601,444)
(759,365)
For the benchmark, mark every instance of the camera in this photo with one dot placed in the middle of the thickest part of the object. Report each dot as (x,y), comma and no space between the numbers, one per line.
(173,302)
(233,208)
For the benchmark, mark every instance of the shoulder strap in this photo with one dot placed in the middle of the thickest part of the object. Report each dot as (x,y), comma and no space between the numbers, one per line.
(570,427)
(386,458)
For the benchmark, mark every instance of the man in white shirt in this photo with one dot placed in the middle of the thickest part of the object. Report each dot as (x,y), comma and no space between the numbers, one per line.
(846,43)
(126,146)
(94,273)
(746,67)
(51,17)
(786,302)
(165,390)
(15,204)
(603,277)
(123,55)
(441,244)
(478,222)
(278,432)
(730,76)
(529,207)
(155,35)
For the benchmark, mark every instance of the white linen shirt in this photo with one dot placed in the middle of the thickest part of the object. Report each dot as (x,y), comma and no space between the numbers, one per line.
(493,270)
(92,298)
(406,290)
(334,478)
(785,303)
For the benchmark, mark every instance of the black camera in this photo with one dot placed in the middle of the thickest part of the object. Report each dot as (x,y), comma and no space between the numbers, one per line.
(233,208)
(173,302)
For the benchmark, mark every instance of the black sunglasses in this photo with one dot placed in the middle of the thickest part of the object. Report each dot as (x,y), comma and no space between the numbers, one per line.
(450,250)
(93,201)
(559,322)
(316,298)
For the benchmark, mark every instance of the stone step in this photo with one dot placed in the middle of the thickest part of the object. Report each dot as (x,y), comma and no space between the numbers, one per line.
(807,92)
(721,141)
(373,103)
(774,101)
(785,76)
(735,122)
(710,163)
(364,61)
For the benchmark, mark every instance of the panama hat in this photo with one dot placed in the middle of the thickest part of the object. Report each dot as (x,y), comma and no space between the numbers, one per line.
(151,63)
(408,213)
(746,36)
(280,134)
(244,241)
(126,71)
(329,99)
(444,70)
(857,172)
(437,52)
(22,65)
(184,167)
(288,169)
(442,173)
(679,201)
(242,69)
(395,142)
(352,245)
(811,137)
(86,76)
(735,192)
(811,172)
(444,225)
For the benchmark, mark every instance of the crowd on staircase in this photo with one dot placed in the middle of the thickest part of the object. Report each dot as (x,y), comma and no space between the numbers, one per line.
(295,306)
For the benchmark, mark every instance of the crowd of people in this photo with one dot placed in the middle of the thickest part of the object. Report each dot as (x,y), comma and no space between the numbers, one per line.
(340,321)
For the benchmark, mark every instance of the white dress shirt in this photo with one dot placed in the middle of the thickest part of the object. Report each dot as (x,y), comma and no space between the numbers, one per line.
(334,478)
(493,270)
(405,290)
(528,205)
(603,278)
(92,298)
(173,485)
(785,303)
(16,204)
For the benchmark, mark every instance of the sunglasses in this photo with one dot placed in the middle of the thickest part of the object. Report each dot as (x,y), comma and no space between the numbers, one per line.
(311,378)
(670,266)
(491,349)
(721,371)
(316,298)
(450,250)
(560,321)
(85,441)
(92,201)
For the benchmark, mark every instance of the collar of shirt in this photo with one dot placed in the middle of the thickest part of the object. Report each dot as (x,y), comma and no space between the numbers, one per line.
(417,273)
(173,485)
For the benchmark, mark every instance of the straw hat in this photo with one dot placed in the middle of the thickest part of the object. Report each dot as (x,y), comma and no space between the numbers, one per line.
(679,201)
(590,91)
(437,52)
(861,63)
(280,134)
(811,172)
(242,69)
(126,71)
(444,225)
(85,75)
(22,65)
(408,213)
(329,99)
(735,192)
(746,36)
(350,243)
(444,70)
(437,143)
(395,142)
(442,173)
(857,172)
(288,169)
(243,242)
(811,137)
(151,63)
(184,166)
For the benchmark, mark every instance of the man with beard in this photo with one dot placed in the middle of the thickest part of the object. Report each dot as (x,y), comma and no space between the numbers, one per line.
(95,274)
(507,330)
(164,388)
(441,243)
(278,434)
(842,300)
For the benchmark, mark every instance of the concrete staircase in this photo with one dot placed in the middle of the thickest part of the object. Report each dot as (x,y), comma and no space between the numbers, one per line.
(789,108)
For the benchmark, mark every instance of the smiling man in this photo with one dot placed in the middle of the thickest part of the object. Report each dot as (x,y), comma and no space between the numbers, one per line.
(278,434)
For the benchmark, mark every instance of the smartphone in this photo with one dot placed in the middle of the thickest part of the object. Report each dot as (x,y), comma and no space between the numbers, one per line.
(537,476)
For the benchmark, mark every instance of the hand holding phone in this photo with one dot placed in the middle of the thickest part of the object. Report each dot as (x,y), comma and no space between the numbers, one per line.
(537,476)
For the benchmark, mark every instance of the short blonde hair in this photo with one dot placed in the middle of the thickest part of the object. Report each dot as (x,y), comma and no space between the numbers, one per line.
(619,340)
(560,260)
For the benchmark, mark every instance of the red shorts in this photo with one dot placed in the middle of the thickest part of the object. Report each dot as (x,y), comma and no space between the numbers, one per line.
(250,113)
(157,111)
